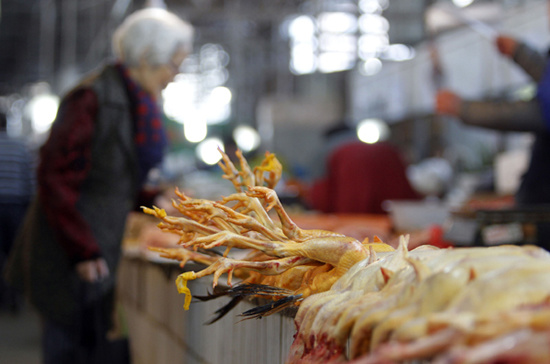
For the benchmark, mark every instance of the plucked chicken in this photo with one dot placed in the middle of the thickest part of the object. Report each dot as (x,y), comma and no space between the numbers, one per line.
(364,302)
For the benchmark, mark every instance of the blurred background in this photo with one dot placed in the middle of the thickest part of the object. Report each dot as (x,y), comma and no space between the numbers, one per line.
(275,74)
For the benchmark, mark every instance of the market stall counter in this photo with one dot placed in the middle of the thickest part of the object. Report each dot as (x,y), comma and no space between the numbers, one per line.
(161,331)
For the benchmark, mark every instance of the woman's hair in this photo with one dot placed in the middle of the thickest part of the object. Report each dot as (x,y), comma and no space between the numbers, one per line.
(153,34)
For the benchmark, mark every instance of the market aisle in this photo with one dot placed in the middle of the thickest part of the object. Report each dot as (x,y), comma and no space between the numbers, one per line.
(19,337)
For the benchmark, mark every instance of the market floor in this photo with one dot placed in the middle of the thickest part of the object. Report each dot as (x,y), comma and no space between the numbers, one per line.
(20,336)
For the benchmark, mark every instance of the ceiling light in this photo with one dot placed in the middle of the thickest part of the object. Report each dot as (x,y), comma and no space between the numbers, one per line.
(373,24)
(372,130)
(371,67)
(399,52)
(462,3)
(373,6)
(43,110)
(303,58)
(246,138)
(372,44)
(302,28)
(194,127)
(345,43)
(337,22)
(207,151)
(335,61)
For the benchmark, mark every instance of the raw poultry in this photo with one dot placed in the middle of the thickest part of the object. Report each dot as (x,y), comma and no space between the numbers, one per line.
(365,302)
(424,304)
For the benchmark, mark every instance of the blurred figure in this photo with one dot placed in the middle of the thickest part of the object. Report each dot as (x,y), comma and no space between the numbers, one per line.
(360,177)
(16,190)
(107,136)
(529,116)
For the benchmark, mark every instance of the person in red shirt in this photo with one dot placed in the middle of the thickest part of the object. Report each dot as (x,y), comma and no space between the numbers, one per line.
(359,178)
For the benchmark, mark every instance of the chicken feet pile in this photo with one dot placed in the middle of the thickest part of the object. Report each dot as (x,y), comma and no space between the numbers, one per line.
(281,254)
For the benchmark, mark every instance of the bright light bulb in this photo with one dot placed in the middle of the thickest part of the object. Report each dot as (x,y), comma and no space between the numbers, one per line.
(246,137)
(221,95)
(194,128)
(43,110)
(371,67)
(373,24)
(207,151)
(302,28)
(335,61)
(337,22)
(177,97)
(372,130)
(303,58)
(399,52)
(462,3)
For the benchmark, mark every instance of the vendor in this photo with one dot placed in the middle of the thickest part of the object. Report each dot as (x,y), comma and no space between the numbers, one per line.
(529,116)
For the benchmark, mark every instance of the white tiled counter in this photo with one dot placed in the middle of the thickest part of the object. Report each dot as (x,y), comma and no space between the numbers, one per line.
(161,331)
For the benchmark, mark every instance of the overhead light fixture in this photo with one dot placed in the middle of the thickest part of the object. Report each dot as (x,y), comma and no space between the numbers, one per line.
(43,110)
(194,127)
(462,3)
(337,22)
(246,138)
(207,151)
(371,131)
(332,41)
(371,66)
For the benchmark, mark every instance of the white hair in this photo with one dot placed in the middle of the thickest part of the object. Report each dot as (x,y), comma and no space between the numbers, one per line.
(153,35)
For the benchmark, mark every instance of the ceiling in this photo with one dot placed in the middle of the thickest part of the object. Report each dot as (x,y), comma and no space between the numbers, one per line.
(59,40)
(46,39)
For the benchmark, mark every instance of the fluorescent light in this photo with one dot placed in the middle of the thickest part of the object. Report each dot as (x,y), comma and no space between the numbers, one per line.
(337,22)
(302,28)
(335,61)
(373,24)
(303,58)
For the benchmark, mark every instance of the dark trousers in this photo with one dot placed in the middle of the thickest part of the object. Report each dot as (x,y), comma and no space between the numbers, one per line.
(11,217)
(62,344)
(85,341)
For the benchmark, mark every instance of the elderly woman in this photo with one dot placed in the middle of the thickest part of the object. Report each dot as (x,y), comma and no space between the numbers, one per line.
(107,136)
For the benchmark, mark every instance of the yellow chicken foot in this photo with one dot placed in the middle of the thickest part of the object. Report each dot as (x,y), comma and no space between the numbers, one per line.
(240,179)
(227,238)
(250,223)
(272,167)
(184,255)
(210,213)
(181,224)
(290,229)
(230,172)
(246,205)
(246,173)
